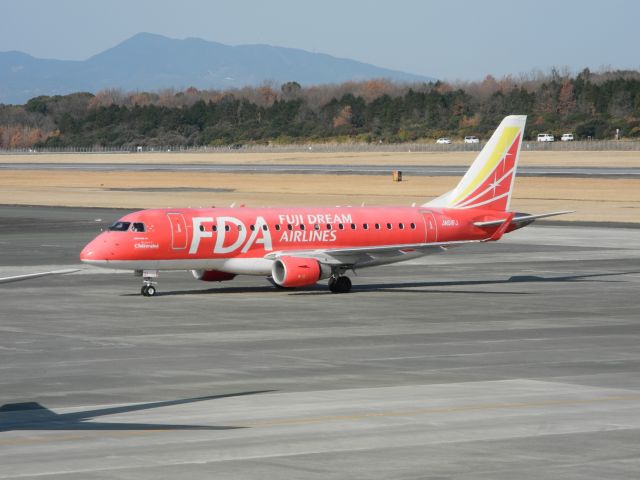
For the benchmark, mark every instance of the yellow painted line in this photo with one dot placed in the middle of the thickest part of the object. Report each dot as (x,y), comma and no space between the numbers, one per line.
(70,437)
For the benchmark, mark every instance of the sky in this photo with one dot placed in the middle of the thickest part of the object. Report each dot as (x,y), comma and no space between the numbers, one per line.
(450,40)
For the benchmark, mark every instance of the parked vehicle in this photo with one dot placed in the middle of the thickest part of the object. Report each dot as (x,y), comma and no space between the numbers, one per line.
(443,140)
(546,137)
(567,137)
(471,139)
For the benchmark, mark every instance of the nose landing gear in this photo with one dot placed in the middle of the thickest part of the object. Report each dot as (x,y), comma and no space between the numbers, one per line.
(149,284)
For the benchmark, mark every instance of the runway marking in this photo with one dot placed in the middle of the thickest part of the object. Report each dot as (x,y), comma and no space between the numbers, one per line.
(425,411)
(18,278)
(62,438)
(329,418)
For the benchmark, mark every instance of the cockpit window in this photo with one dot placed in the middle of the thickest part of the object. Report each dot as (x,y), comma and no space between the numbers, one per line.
(127,226)
(120,226)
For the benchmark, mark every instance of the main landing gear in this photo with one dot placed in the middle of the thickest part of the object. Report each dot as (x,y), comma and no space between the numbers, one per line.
(339,284)
(149,288)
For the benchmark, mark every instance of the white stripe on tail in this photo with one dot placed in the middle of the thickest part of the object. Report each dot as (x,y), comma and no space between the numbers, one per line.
(489,181)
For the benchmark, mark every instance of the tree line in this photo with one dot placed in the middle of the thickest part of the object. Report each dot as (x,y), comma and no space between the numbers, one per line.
(591,105)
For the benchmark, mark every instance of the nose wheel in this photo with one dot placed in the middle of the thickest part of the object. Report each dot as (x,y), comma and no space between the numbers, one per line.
(149,284)
(340,284)
(148,290)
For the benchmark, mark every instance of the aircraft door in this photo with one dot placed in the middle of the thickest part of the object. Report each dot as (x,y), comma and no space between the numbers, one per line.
(178,231)
(431,226)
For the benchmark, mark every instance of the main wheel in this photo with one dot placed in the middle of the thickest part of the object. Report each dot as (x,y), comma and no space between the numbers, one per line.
(151,291)
(143,290)
(344,284)
(339,285)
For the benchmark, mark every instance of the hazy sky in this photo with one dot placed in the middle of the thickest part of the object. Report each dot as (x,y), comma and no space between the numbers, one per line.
(450,39)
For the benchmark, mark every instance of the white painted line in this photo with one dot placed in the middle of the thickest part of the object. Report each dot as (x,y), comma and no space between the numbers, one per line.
(18,278)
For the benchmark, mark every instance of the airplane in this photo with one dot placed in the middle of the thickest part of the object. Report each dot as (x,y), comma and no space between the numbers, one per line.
(297,247)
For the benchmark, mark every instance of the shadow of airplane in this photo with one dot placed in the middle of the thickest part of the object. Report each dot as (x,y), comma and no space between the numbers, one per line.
(408,287)
(34,416)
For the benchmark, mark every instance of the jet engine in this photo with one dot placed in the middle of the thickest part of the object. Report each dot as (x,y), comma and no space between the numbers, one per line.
(212,275)
(291,272)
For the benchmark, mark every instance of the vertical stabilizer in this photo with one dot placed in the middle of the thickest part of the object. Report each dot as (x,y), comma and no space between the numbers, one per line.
(489,181)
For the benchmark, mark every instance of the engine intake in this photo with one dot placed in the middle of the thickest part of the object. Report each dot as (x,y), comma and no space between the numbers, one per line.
(297,272)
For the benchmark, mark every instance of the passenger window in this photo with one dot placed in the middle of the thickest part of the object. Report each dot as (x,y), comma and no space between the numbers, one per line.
(252,227)
(302,226)
(388,226)
(289,226)
(214,228)
(201,228)
(316,226)
(365,226)
(353,226)
(239,228)
(328,226)
(264,227)
(341,226)
(401,226)
(377,226)
(413,226)
(227,228)
(277,227)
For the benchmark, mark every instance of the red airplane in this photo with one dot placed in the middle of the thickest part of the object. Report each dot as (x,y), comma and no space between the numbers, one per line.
(297,247)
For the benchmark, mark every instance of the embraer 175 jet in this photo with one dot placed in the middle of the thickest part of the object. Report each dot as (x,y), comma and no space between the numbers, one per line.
(297,247)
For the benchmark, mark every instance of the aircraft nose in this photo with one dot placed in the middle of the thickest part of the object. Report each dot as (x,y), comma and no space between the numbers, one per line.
(97,251)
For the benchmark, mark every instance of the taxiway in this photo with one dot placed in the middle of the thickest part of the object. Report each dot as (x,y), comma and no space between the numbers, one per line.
(507,360)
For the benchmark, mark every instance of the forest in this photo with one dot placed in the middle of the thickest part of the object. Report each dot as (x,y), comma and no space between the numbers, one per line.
(591,105)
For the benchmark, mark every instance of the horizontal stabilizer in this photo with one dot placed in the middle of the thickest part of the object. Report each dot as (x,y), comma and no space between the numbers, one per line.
(497,235)
(521,218)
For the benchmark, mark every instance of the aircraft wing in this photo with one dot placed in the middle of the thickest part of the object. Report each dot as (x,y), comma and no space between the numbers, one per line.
(352,255)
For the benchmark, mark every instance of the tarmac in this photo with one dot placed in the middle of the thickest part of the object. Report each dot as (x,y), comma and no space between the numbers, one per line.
(275,168)
(514,359)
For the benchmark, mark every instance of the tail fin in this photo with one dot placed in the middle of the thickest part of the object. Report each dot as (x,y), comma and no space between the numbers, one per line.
(489,181)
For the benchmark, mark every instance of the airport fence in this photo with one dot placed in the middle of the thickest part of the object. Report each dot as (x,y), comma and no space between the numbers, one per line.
(576,146)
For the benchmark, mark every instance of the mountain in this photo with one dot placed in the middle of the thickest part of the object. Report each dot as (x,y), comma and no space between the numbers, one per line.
(151,62)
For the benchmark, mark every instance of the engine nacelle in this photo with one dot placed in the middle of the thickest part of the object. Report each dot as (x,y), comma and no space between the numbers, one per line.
(297,272)
(212,275)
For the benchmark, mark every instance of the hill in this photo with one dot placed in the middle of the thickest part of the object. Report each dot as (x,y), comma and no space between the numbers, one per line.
(150,62)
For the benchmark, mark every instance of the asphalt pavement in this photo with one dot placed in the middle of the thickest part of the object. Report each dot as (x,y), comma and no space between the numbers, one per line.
(514,359)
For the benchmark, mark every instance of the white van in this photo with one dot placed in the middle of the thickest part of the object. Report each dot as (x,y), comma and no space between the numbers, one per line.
(471,139)
(545,137)
(567,137)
